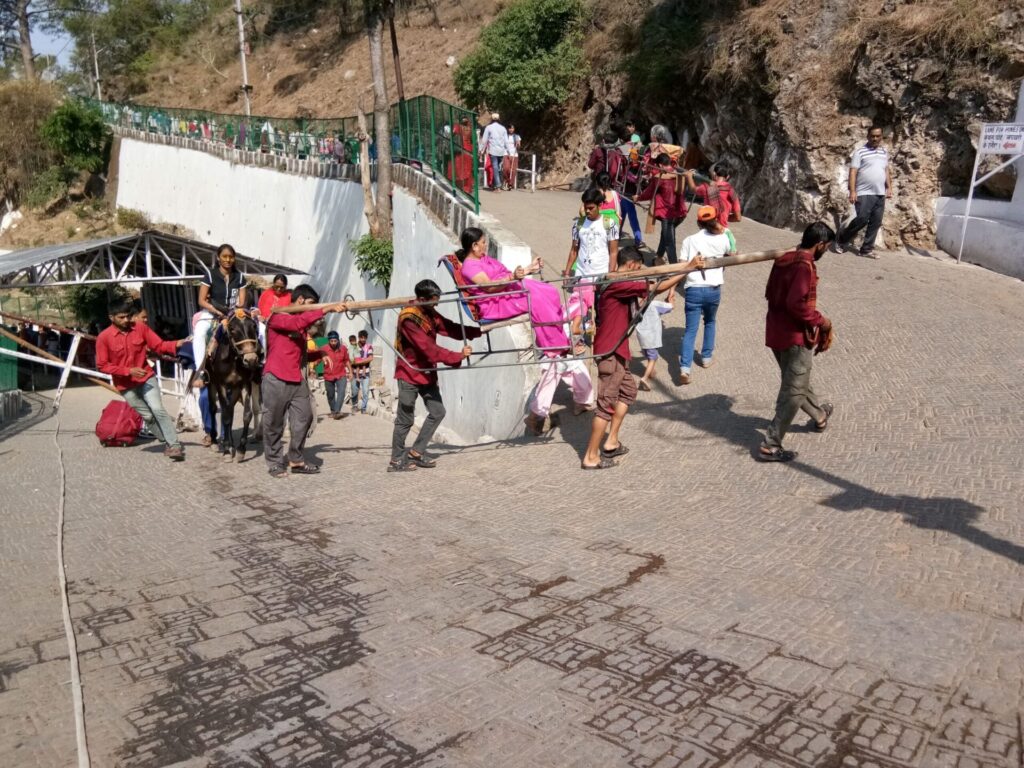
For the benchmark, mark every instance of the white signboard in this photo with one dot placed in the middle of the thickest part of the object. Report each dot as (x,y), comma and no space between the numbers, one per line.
(1001,139)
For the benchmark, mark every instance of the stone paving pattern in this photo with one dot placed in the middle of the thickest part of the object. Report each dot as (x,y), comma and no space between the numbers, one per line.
(862,606)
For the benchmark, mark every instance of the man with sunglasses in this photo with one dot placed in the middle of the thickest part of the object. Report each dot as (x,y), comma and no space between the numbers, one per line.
(870,184)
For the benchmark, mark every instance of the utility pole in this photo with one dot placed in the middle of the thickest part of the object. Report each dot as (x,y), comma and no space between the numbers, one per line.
(96,67)
(246,88)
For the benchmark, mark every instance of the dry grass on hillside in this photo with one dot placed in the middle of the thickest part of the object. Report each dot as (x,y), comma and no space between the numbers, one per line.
(316,70)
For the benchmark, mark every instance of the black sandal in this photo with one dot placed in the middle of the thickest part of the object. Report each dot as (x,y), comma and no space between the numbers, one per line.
(400,466)
(605,463)
(278,472)
(821,426)
(422,461)
(305,469)
(620,451)
(775,454)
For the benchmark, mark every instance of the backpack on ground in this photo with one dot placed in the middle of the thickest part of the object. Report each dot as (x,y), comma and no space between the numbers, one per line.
(119,424)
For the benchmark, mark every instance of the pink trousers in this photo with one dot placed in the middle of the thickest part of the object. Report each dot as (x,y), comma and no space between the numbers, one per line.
(560,369)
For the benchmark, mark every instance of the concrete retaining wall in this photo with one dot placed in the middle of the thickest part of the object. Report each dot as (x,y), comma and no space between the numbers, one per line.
(303,214)
(995,232)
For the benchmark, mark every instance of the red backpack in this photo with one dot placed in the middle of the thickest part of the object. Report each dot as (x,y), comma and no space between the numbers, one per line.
(119,424)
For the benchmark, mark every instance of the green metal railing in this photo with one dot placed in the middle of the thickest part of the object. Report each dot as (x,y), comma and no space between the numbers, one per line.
(426,132)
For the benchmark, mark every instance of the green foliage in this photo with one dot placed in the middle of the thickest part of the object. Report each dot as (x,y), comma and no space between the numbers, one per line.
(78,135)
(24,108)
(88,303)
(528,58)
(132,35)
(660,45)
(48,186)
(375,259)
(129,218)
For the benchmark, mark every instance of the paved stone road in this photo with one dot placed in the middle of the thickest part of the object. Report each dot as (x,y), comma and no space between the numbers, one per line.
(860,607)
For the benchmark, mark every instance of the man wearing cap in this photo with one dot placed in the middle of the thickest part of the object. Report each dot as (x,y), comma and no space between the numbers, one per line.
(337,373)
(703,289)
(494,143)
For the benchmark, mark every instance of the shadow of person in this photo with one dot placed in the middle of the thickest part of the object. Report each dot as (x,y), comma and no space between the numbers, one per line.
(714,415)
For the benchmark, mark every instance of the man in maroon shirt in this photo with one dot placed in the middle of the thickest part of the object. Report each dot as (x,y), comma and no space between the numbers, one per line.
(416,372)
(795,331)
(121,351)
(337,374)
(617,307)
(284,390)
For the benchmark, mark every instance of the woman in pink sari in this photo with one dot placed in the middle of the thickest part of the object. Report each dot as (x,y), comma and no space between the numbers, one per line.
(543,302)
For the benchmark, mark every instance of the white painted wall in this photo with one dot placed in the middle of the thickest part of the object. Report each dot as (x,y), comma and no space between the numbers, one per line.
(302,222)
(306,223)
(483,405)
(995,232)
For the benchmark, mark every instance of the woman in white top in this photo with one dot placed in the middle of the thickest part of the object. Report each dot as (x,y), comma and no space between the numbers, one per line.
(510,165)
(703,290)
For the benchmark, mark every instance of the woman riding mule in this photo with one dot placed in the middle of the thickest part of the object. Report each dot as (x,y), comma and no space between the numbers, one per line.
(219,295)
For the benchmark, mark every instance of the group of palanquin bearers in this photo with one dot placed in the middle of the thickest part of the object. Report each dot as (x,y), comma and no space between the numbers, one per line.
(795,331)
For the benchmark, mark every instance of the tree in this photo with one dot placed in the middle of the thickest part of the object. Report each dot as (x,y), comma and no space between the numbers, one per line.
(380,217)
(24,108)
(527,60)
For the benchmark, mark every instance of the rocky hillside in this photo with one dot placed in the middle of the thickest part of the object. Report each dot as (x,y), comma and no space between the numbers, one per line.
(785,89)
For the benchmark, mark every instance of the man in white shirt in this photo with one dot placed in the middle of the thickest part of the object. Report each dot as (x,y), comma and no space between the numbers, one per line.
(703,290)
(595,247)
(870,185)
(494,143)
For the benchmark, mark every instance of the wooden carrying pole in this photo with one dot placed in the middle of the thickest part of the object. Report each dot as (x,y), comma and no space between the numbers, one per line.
(667,270)
(54,358)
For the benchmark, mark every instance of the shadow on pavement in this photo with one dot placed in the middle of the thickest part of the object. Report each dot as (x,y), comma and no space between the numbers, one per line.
(713,414)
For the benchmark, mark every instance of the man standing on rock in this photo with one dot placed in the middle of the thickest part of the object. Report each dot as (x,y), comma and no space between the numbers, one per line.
(870,185)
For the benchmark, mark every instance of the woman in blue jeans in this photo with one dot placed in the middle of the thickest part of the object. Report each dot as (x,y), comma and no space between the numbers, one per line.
(703,290)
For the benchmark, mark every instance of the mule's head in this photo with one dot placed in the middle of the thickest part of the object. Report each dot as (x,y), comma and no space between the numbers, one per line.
(244,335)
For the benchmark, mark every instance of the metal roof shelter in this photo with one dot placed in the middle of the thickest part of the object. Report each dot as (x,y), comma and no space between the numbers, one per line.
(144,257)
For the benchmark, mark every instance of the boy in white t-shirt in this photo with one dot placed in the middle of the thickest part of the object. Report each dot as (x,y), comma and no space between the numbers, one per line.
(703,290)
(594,251)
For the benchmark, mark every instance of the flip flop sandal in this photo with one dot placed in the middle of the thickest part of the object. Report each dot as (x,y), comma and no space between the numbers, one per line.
(620,451)
(422,461)
(821,426)
(305,469)
(643,385)
(776,454)
(605,463)
(402,466)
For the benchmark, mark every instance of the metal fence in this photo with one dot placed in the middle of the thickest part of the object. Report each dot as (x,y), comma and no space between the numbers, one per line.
(432,134)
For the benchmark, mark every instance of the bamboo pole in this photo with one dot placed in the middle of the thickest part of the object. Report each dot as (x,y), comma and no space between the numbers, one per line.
(668,270)
(54,358)
(48,326)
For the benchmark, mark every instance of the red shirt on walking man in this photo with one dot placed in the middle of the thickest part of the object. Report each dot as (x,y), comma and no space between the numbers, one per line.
(416,371)
(121,351)
(795,331)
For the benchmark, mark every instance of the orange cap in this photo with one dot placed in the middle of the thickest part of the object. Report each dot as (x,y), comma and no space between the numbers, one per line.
(706,213)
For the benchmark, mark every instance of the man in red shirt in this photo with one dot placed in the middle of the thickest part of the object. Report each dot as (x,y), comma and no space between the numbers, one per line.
(617,308)
(284,389)
(337,373)
(416,372)
(795,331)
(121,351)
